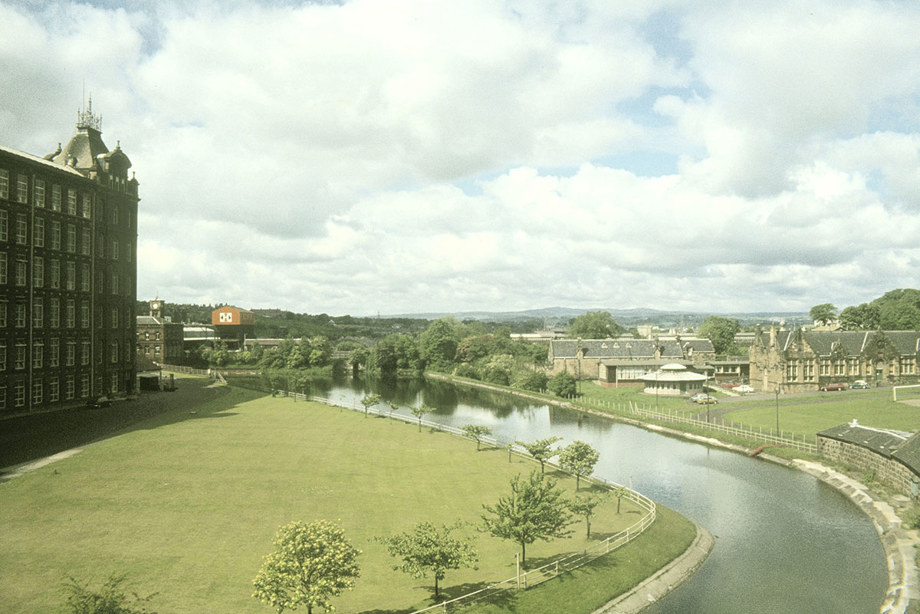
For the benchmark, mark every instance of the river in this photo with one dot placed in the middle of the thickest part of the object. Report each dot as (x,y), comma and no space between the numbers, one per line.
(785,541)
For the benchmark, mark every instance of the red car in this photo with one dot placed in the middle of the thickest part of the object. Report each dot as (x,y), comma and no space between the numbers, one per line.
(832,387)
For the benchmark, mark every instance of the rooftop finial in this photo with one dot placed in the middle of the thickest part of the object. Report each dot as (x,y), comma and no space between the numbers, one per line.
(86,119)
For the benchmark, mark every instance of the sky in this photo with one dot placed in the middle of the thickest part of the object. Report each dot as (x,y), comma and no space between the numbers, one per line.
(415,156)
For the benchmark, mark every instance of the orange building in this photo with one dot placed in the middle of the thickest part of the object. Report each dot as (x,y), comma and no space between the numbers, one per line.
(233,323)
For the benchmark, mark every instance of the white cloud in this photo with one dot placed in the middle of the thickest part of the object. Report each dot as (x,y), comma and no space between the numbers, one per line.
(419,156)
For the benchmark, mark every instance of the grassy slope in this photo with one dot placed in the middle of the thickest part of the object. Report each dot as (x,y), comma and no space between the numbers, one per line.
(188,504)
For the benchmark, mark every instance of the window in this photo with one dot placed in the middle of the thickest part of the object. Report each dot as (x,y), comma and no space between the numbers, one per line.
(19,395)
(38,272)
(22,189)
(839,367)
(2,397)
(20,356)
(85,353)
(84,314)
(68,387)
(4,225)
(3,275)
(38,195)
(86,243)
(71,238)
(37,390)
(54,391)
(70,315)
(71,202)
(55,273)
(114,317)
(113,383)
(54,312)
(21,269)
(2,315)
(114,215)
(20,315)
(2,355)
(22,229)
(4,183)
(84,278)
(114,250)
(38,358)
(55,234)
(54,352)
(38,232)
(87,206)
(84,386)
(55,197)
(100,245)
(70,276)
(69,353)
(38,313)
(113,352)
(114,282)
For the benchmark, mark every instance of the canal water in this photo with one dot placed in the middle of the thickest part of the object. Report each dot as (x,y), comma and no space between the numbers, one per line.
(785,542)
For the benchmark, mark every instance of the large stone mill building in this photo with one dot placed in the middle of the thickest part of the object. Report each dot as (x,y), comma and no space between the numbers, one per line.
(68,273)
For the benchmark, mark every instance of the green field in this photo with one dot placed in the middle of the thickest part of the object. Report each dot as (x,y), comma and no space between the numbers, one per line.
(186,504)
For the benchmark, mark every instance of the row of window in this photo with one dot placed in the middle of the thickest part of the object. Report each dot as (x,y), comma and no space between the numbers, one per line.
(19,350)
(54,277)
(54,242)
(851,366)
(74,204)
(20,314)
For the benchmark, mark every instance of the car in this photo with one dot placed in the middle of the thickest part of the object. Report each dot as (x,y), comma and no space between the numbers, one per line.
(704,399)
(859,384)
(744,389)
(833,387)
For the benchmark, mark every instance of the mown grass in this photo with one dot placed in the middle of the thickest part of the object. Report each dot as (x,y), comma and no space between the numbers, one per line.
(187,503)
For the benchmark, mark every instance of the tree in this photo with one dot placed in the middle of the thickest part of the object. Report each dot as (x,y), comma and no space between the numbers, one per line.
(476,432)
(861,317)
(542,449)
(585,506)
(562,384)
(619,492)
(419,411)
(310,563)
(110,599)
(594,325)
(428,549)
(534,510)
(369,401)
(535,381)
(438,344)
(578,458)
(825,313)
(721,331)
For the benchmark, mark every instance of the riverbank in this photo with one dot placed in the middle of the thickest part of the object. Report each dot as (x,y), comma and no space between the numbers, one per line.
(899,545)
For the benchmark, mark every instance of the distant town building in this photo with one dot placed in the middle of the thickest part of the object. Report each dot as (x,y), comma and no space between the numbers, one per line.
(158,339)
(68,273)
(626,359)
(799,360)
(233,324)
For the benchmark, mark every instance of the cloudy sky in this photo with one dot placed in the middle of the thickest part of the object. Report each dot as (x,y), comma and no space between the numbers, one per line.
(400,156)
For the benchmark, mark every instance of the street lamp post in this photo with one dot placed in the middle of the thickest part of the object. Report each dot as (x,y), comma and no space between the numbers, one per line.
(777,410)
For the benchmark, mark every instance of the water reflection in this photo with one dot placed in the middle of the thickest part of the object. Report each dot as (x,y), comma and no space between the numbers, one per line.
(785,542)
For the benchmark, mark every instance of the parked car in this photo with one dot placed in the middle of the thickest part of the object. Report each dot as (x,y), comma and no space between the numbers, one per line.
(704,399)
(833,387)
(860,383)
(744,389)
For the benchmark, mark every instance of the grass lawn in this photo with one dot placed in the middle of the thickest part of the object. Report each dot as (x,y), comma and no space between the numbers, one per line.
(814,413)
(187,503)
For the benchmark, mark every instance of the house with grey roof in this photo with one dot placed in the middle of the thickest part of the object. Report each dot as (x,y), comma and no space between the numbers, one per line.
(625,359)
(799,360)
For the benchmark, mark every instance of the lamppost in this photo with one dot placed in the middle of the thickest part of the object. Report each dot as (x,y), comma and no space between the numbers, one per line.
(777,410)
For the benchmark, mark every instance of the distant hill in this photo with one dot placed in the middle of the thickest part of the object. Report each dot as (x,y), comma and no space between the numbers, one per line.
(560,316)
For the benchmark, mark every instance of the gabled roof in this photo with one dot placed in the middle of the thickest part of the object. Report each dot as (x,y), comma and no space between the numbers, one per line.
(851,343)
(615,348)
(699,346)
